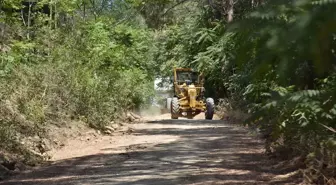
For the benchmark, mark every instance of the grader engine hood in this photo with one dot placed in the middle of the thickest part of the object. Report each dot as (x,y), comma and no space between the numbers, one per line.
(192,92)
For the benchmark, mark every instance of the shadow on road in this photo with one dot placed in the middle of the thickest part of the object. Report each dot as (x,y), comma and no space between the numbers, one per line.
(207,152)
(188,121)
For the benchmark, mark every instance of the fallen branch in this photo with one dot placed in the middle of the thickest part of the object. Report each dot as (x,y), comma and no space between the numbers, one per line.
(328,128)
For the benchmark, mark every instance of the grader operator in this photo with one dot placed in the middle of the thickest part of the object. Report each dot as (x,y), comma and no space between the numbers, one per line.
(188,100)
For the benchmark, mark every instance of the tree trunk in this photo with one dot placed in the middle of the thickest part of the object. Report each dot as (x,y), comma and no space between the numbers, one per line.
(56,15)
(29,19)
(230,10)
(84,11)
(94,9)
(50,16)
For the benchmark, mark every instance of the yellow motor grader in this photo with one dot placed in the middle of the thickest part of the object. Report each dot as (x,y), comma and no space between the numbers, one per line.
(188,100)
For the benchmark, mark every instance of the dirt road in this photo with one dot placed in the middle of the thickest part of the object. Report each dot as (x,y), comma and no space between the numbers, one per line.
(162,151)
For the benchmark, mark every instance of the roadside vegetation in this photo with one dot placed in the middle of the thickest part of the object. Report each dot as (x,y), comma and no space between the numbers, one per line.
(68,61)
(274,62)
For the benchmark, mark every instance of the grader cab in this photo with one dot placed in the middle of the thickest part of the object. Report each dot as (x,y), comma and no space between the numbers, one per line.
(188,100)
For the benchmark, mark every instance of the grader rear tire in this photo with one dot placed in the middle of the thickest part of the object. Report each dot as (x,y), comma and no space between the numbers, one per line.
(175,108)
(210,108)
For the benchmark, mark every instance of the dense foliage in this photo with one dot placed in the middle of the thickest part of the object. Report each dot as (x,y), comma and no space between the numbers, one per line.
(274,61)
(91,60)
(69,60)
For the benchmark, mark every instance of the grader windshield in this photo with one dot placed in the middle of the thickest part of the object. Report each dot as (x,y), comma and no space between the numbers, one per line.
(187,77)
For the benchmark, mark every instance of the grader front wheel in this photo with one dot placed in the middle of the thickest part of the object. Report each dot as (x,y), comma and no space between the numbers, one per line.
(175,108)
(210,108)
(190,115)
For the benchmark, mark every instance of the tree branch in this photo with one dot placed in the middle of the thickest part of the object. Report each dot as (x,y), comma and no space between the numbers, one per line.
(174,6)
(329,128)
